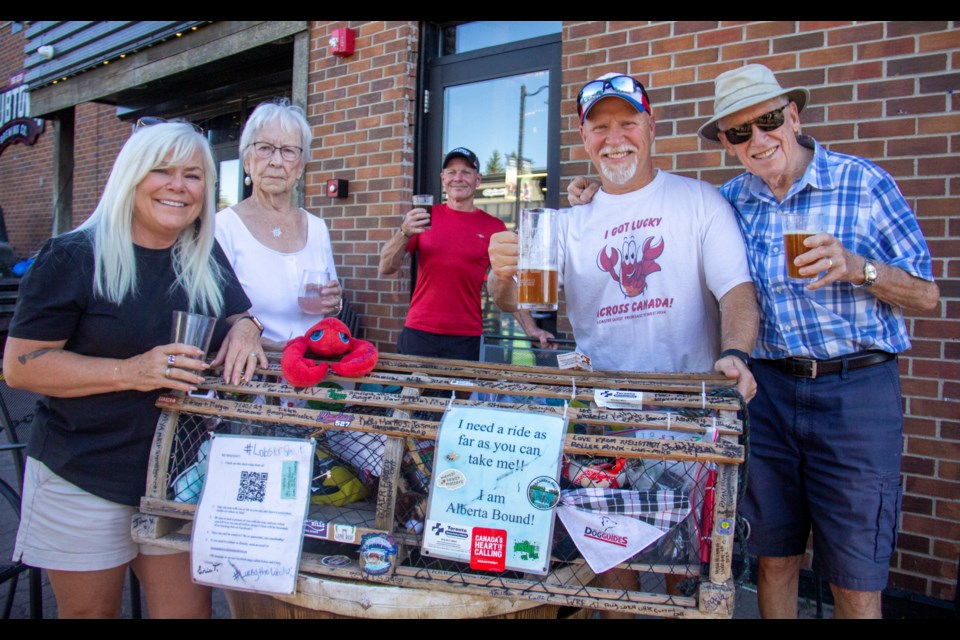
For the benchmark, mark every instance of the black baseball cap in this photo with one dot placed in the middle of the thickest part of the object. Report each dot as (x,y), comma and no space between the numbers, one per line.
(466,154)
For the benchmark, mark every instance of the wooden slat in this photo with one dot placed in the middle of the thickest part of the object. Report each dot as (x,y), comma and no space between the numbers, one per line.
(688,404)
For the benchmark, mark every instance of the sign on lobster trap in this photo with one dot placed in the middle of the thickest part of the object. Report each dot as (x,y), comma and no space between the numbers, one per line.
(443,488)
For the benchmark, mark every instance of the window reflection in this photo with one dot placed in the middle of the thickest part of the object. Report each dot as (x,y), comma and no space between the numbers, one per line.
(471,36)
(486,118)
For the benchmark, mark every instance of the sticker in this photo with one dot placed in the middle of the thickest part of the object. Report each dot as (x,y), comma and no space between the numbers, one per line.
(446,537)
(344,532)
(488,551)
(618,399)
(376,553)
(526,550)
(725,527)
(543,492)
(335,561)
(288,480)
(451,479)
(315,529)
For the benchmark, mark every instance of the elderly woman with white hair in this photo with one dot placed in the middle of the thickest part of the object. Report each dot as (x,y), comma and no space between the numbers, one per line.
(269,240)
(91,332)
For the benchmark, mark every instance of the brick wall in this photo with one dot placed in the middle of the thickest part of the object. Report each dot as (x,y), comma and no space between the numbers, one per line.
(98,137)
(883,90)
(362,112)
(26,172)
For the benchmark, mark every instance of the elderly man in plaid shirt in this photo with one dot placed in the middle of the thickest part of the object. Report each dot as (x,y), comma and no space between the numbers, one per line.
(827,418)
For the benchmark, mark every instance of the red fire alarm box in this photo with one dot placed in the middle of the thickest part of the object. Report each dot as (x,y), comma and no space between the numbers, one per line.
(341,42)
(337,188)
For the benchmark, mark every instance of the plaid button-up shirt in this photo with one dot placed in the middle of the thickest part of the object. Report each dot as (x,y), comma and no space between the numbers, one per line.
(864,209)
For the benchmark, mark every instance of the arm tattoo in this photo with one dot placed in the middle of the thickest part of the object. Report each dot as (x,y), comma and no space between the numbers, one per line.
(34,354)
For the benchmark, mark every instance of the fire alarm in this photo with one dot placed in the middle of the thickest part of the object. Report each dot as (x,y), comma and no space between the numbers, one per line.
(341,42)
(337,188)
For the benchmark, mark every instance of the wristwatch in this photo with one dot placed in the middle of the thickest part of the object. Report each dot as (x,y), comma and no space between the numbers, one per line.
(254,320)
(869,273)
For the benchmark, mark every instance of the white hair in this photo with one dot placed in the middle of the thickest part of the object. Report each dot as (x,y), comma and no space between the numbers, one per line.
(110,226)
(289,117)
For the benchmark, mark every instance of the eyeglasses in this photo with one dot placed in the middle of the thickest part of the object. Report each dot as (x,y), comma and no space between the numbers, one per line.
(617,84)
(149,121)
(265,151)
(770,121)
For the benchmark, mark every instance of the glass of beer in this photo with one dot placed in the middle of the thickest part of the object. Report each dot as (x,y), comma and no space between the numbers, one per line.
(537,262)
(312,297)
(797,227)
(424,201)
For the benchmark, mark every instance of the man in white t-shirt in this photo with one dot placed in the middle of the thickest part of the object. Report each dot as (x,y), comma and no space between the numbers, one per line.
(654,269)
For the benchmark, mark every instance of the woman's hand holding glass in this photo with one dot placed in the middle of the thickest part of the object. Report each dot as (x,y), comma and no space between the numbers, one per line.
(319,294)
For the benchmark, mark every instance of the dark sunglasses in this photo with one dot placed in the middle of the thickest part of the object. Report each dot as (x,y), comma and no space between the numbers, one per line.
(770,121)
(618,84)
(148,121)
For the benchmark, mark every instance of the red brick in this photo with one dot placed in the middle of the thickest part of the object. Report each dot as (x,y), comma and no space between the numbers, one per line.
(932,526)
(812,40)
(855,34)
(886,48)
(885,89)
(862,71)
(919,146)
(769,29)
(719,37)
(918,505)
(937,41)
(917,544)
(745,50)
(915,465)
(914,65)
(821,57)
(908,27)
(933,448)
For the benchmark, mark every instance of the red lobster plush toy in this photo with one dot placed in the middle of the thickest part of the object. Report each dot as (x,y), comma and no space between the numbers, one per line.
(328,338)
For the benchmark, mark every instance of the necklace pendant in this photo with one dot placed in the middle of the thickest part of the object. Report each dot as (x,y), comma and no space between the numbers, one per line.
(277,232)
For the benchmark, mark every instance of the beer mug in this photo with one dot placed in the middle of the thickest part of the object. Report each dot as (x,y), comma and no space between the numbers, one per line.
(537,262)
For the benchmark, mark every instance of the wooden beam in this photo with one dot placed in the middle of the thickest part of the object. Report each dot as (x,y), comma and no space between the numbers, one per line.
(214,42)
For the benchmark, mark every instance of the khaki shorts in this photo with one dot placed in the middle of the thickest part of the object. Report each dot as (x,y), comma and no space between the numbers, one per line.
(63,527)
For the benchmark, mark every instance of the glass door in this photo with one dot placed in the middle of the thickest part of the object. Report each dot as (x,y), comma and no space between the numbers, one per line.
(502,102)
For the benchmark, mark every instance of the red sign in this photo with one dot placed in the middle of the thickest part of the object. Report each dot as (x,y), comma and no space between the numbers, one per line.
(488,549)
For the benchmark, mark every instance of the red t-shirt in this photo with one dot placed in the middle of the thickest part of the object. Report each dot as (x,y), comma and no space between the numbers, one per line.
(452,265)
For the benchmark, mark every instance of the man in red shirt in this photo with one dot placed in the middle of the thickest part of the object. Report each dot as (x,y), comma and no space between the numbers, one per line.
(445,317)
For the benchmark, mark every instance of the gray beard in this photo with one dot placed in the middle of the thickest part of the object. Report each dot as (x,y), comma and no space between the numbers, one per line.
(620,174)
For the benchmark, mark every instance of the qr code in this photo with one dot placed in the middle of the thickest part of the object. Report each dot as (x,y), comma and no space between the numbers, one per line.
(253,486)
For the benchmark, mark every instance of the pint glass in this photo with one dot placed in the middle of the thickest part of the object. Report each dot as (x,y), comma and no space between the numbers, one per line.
(797,227)
(537,262)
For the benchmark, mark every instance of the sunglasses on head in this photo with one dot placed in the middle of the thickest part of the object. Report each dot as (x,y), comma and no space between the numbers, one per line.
(149,121)
(770,121)
(618,84)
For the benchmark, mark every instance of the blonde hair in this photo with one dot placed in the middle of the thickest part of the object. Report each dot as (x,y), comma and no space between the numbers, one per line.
(110,226)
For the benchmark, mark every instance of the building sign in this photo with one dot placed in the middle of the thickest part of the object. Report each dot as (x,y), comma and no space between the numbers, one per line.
(15,123)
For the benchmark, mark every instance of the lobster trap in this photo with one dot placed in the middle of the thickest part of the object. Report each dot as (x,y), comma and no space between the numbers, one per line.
(668,450)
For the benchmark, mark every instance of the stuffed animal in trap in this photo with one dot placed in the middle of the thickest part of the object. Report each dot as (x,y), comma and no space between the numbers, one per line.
(328,338)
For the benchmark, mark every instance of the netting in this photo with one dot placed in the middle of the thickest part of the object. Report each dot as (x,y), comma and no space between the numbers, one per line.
(377,479)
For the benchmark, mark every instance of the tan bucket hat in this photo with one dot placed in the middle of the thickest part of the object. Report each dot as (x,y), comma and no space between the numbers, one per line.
(744,87)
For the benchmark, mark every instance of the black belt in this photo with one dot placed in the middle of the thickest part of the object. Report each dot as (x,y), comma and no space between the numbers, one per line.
(811,368)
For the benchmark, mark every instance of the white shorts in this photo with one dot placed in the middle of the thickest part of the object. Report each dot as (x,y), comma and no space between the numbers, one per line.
(63,527)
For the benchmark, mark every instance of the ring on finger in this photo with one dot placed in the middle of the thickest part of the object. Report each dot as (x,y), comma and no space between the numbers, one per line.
(171,359)
(829,263)
(166,374)
(253,354)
